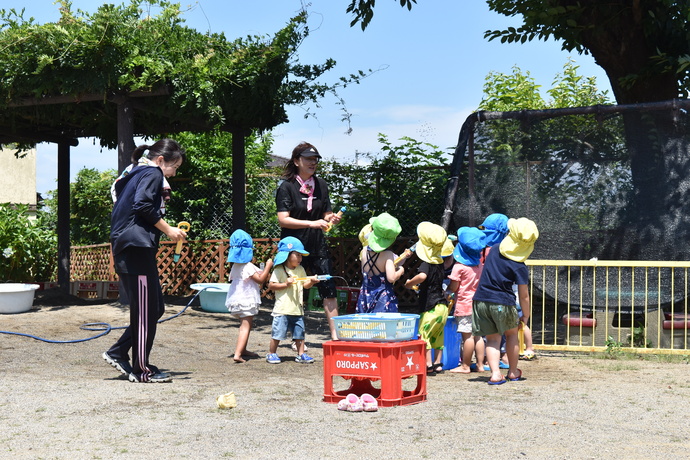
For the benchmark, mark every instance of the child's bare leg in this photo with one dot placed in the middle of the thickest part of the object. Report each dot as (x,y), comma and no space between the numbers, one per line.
(273,346)
(438,357)
(429,361)
(330,307)
(479,352)
(512,351)
(493,356)
(467,352)
(243,338)
(528,339)
(300,347)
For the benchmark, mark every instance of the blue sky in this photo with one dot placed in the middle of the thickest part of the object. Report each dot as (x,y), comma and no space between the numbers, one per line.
(431,66)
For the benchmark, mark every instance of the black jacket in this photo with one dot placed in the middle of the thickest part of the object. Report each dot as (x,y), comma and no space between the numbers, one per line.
(137,209)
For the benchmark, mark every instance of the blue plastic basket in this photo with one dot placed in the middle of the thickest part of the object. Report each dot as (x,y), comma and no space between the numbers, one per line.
(377,327)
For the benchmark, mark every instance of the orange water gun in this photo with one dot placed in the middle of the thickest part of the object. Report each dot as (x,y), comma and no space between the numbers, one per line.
(339,214)
(407,253)
(178,249)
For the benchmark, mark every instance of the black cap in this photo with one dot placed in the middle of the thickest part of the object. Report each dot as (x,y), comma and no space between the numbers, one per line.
(310,152)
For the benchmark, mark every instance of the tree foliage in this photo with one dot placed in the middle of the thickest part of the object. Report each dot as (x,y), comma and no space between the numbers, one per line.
(363,10)
(143,46)
(639,44)
(644,46)
(28,250)
(406,180)
(579,164)
(203,191)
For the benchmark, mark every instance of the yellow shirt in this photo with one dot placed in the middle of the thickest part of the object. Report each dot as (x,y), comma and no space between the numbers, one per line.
(289,301)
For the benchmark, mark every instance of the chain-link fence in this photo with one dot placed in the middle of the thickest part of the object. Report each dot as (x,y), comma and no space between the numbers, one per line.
(410,194)
(607,182)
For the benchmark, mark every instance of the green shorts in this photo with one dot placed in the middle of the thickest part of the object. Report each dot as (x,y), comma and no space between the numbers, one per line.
(492,318)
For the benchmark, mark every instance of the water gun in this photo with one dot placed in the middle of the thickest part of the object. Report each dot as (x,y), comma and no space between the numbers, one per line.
(407,253)
(339,214)
(318,277)
(178,249)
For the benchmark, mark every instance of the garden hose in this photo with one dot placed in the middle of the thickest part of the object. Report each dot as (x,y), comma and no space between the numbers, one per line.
(104,328)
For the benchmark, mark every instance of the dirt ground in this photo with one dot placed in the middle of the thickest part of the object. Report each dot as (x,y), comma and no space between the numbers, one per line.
(64,401)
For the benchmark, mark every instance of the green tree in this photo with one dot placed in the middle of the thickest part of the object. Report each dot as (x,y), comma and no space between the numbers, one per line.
(576,166)
(644,48)
(202,192)
(90,207)
(407,181)
(27,248)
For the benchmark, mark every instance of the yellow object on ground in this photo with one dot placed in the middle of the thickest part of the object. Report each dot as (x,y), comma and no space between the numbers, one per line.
(227,401)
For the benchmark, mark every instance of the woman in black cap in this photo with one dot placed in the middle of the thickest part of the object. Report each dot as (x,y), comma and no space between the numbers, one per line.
(304,211)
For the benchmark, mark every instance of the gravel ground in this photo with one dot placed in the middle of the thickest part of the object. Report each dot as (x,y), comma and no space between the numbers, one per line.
(64,401)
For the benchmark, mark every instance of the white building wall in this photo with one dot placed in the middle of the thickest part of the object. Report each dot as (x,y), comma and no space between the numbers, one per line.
(18,178)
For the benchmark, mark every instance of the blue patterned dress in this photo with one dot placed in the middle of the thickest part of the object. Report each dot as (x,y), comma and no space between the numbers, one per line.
(376,295)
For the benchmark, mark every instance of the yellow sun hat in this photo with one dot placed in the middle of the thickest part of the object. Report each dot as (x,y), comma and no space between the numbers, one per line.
(364,234)
(432,237)
(519,243)
(448,248)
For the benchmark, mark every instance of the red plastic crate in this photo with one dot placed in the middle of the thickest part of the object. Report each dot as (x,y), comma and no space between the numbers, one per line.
(364,362)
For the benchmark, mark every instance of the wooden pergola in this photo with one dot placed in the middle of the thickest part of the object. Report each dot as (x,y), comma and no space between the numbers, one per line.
(22,123)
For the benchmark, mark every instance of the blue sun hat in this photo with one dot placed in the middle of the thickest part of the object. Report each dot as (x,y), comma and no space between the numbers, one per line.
(471,241)
(495,227)
(286,246)
(241,247)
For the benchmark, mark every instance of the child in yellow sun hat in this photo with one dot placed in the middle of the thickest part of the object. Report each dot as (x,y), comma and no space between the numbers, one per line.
(494,312)
(433,304)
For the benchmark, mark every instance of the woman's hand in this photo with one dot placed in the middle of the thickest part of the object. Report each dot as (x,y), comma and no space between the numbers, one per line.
(321,223)
(333,218)
(174,233)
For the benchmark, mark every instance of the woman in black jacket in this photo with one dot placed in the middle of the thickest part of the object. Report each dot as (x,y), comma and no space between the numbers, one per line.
(136,226)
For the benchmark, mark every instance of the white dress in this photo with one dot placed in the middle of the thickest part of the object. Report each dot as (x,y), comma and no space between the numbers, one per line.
(244,296)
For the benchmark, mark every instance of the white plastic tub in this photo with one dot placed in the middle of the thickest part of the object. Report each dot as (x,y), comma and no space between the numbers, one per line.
(212,296)
(16,297)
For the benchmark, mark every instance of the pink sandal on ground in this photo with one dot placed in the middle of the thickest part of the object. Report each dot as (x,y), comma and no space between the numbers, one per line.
(369,403)
(351,403)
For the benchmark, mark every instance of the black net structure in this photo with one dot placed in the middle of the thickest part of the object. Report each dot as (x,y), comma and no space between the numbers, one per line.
(604,182)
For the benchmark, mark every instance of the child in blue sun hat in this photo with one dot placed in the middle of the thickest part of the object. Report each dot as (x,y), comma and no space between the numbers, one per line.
(288,281)
(464,280)
(244,294)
